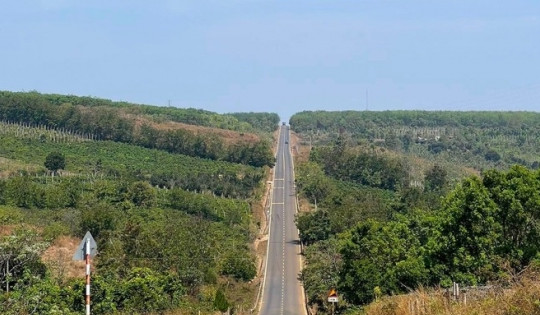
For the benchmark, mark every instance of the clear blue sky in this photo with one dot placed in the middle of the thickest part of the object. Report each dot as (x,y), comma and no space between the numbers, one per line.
(281,56)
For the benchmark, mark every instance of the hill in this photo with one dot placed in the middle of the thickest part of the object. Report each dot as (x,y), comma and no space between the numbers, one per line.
(239,122)
(145,126)
(170,204)
(402,201)
(478,140)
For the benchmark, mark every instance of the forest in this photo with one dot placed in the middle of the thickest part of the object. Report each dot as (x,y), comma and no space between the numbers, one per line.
(172,211)
(478,140)
(106,120)
(234,121)
(373,232)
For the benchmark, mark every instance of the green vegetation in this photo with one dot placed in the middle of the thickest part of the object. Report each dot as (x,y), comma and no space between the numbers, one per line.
(266,122)
(479,140)
(191,116)
(484,230)
(55,161)
(111,159)
(383,226)
(173,230)
(156,245)
(103,121)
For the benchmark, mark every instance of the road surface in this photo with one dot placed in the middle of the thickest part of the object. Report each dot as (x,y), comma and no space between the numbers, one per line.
(282,291)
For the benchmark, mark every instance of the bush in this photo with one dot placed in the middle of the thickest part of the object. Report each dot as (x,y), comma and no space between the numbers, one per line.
(240,266)
(54,230)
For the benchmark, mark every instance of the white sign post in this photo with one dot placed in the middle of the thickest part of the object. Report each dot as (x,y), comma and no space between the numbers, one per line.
(86,250)
(333,298)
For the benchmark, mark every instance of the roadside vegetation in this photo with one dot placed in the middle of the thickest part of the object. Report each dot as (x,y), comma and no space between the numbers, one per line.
(382,224)
(174,228)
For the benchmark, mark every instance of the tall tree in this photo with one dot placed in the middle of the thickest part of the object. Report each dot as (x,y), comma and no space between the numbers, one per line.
(55,161)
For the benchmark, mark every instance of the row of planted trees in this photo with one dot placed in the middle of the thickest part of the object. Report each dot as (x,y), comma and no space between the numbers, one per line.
(110,123)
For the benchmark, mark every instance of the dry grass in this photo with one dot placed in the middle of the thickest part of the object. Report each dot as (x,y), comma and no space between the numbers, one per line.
(228,136)
(58,257)
(9,167)
(299,150)
(522,297)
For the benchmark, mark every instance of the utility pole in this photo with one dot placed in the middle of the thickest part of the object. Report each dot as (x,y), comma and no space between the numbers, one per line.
(367,100)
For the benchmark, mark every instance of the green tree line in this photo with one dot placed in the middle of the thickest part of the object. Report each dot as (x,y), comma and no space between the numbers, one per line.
(191,116)
(483,230)
(107,123)
(480,140)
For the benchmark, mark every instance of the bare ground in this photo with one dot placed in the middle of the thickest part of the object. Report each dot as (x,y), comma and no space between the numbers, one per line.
(58,257)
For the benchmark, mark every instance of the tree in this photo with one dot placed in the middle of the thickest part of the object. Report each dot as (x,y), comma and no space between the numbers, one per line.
(55,161)
(383,255)
(322,271)
(142,194)
(239,265)
(313,182)
(22,192)
(314,226)
(517,196)
(469,235)
(435,178)
(19,253)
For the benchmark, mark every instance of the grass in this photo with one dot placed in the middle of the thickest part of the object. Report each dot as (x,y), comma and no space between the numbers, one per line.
(521,297)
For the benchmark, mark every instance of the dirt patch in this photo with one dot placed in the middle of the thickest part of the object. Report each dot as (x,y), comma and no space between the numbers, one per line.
(58,257)
(6,230)
(299,150)
(228,136)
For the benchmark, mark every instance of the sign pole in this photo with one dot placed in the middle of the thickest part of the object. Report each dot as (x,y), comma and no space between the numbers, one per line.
(333,298)
(86,250)
(87,258)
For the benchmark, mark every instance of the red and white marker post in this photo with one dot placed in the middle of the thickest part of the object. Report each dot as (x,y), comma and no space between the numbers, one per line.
(86,251)
(87,259)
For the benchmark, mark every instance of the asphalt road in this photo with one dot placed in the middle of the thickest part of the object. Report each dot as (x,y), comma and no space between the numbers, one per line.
(282,291)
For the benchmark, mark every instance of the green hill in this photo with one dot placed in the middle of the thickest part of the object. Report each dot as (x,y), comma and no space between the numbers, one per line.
(146,126)
(408,200)
(170,205)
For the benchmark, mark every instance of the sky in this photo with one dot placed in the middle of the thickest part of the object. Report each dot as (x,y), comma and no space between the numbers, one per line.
(281,56)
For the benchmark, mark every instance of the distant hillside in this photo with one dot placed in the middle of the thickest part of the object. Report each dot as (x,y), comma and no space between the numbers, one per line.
(146,126)
(263,121)
(406,200)
(172,207)
(476,140)
(104,159)
(238,122)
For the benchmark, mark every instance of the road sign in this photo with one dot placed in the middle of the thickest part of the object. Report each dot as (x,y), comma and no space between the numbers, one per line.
(80,253)
(332,296)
